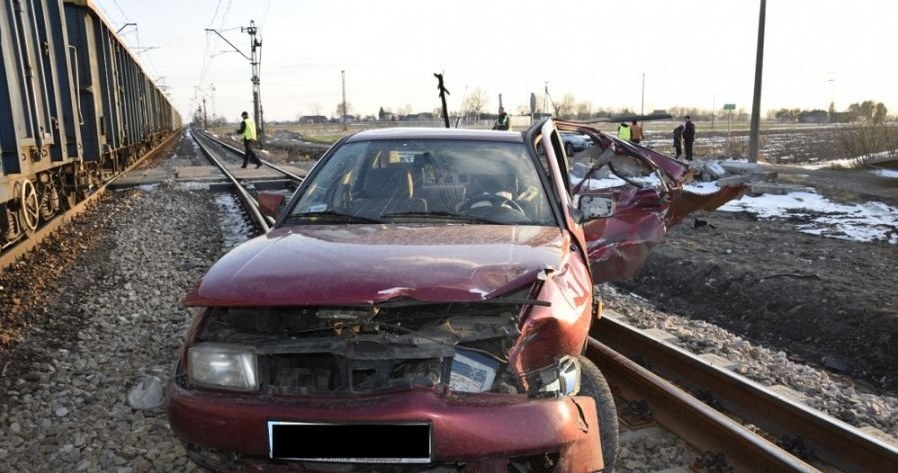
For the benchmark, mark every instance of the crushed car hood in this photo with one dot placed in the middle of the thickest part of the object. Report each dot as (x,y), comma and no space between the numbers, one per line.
(363,264)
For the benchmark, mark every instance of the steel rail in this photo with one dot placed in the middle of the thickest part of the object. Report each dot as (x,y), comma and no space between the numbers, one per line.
(833,442)
(239,152)
(249,203)
(10,256)
(690,419)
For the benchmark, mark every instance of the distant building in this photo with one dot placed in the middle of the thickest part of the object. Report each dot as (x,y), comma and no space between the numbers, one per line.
(813,116)
(312,119)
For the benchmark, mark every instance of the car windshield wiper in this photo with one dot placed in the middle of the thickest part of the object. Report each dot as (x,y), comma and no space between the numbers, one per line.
(332,215)
(442,216)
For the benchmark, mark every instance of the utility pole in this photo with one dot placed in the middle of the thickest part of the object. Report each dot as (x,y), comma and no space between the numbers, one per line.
(255,45)
(255,59)
(205,118)
(212,88)
(756,102)
(343,114)
(642,104)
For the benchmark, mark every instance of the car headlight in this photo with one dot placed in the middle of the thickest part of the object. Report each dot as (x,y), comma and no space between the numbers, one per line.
(222,366)
(560,379)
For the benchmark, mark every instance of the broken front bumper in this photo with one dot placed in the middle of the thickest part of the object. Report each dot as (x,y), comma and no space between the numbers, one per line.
(469,429)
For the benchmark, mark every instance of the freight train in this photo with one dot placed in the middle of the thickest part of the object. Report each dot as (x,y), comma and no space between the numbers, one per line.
(76,109)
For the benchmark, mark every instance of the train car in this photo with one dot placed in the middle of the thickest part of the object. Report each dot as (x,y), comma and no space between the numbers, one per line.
(76,108)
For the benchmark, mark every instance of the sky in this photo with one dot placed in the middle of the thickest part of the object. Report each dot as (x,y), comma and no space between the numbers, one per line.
(653,54)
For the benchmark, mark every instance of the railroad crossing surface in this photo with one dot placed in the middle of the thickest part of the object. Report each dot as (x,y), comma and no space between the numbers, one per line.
(211,174)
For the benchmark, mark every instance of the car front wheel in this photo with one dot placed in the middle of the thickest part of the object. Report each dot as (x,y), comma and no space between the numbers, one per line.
(593,384)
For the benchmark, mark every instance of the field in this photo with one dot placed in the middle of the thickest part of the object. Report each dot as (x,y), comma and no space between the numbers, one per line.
(780,143)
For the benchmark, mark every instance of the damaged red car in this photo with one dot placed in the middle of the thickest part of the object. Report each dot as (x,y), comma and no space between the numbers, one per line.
(422,304)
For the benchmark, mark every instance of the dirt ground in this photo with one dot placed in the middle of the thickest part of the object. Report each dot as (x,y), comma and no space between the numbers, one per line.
(825,301)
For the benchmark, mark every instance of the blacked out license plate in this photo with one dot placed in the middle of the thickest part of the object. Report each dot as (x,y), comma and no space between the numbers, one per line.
(408,442)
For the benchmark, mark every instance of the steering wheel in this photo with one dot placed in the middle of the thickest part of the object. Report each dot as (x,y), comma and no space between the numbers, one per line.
(493,199)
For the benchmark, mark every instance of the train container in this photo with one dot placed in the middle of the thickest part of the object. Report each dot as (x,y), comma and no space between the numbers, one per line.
(76,108)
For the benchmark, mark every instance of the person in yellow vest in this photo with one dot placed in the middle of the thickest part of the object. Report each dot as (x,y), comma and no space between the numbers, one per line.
(623,132)
(247,132)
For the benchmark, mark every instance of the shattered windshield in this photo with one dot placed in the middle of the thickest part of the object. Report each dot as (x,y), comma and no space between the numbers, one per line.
(426,180)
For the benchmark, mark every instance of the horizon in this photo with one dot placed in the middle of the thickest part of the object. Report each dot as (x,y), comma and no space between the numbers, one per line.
(695,52)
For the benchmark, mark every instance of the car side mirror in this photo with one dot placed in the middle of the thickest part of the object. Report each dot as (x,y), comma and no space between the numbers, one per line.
(270,204)
(592,207)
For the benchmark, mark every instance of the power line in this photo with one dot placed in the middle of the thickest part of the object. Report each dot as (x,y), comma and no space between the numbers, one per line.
(120,9)
(265,15)
(212,21)
(225,15)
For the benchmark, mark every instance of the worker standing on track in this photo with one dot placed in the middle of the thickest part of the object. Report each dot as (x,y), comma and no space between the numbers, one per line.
(247,132)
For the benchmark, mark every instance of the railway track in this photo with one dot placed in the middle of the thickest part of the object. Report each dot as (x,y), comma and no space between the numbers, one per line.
(242,187)
(785,435)
(13,252)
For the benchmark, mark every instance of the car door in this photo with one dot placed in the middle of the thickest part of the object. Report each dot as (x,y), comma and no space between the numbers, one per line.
(647,189)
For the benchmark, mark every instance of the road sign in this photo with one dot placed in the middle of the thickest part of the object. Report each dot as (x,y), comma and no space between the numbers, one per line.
(729,106)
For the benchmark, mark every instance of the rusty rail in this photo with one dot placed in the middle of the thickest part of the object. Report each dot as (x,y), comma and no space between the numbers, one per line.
(831,441)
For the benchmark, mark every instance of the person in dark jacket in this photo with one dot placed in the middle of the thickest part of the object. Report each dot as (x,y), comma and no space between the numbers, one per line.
(636,134)
(678,140)
(688,137)
(247,132)
(502,121)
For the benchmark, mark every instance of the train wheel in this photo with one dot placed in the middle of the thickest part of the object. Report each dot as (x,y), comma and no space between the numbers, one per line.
(30,206)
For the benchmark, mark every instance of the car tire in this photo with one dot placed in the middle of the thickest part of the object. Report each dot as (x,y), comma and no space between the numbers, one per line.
(569,149)
(593,384)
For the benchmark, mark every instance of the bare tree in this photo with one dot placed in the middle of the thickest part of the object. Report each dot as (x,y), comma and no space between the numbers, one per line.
(476,102)
(879,113)
(315,108)
(565,108)
(584,110)
(340,112)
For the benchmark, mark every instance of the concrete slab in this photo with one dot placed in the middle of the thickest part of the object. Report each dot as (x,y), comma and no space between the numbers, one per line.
(777,188)
(140,177)
(198,173)
(733,180)
(714,170)
(738,167)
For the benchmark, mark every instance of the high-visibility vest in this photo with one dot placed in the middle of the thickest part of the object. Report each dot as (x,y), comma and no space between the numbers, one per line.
(623,132)
(249,129)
